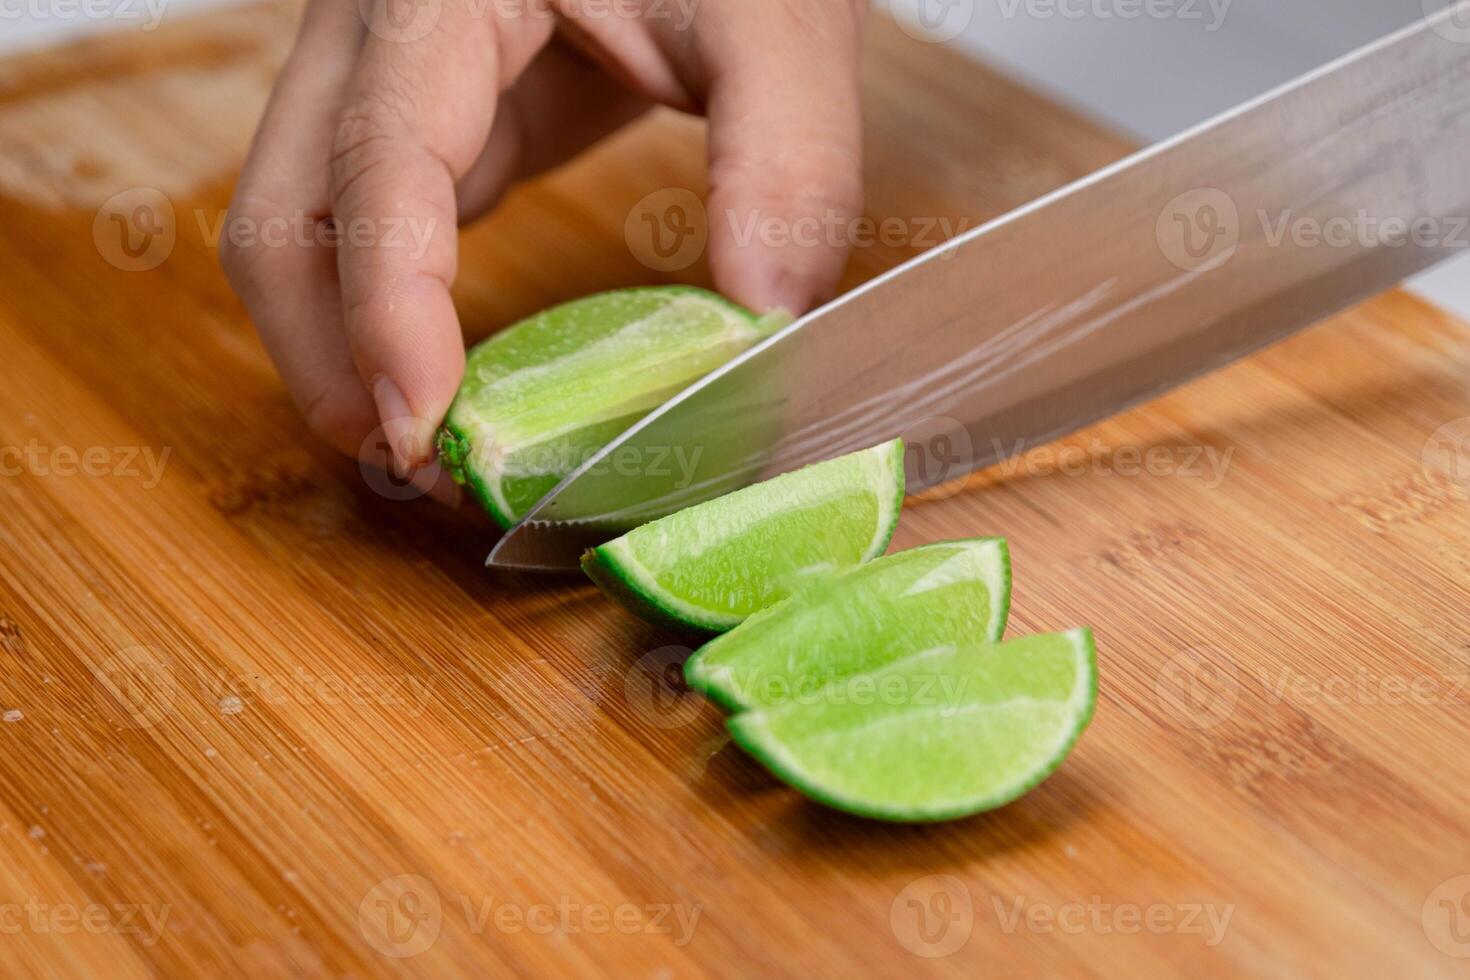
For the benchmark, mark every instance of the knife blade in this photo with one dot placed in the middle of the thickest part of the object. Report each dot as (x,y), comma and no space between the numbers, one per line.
(1108,292)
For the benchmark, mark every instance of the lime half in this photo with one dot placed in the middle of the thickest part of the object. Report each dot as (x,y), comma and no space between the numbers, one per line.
(541,397)
(858,621)
(711,566)
(935,736)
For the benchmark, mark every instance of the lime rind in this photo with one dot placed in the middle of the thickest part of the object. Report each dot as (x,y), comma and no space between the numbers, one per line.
(753,732)
(717,675)
(625,577)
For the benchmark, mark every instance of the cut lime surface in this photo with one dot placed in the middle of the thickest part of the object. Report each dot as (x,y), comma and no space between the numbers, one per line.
(941,734)
(857,621)
(711,566)
(540,397)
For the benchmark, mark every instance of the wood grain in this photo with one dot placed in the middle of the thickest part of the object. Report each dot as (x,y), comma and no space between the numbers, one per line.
(260,718)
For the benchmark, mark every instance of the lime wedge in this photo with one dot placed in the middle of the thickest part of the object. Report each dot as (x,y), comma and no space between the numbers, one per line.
(857,621)
(540,397)
(937,735)
(711,566)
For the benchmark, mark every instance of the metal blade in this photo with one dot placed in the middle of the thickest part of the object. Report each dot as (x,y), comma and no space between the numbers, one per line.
(1113,290)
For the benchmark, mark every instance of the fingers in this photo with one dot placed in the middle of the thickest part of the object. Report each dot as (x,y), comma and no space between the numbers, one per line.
(785,148)
(417,116)
(563,104)
(271,252)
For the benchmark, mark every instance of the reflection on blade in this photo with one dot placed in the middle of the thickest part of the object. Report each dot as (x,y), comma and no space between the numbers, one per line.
(1106,293)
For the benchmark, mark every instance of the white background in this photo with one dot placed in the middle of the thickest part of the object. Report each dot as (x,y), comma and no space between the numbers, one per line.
(1150,74)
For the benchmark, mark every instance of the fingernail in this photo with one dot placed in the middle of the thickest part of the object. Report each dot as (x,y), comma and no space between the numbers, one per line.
(410,437)
(779,291)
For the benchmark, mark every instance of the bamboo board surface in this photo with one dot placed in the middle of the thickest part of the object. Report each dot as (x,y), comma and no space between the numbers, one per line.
(258,718)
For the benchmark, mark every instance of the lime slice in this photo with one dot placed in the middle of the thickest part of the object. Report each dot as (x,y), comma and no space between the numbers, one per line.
(541,397)
(857,621)
(711,566)
(938,735)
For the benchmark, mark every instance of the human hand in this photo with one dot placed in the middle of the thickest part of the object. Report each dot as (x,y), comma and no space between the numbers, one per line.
(372,128)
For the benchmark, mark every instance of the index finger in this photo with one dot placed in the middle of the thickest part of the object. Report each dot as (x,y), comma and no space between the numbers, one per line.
(419,110)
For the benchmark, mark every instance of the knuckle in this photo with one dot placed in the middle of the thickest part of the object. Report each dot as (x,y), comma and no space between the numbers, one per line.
(364,141)
(239,255)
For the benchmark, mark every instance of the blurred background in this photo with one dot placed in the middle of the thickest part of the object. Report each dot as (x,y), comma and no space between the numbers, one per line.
(1146,76)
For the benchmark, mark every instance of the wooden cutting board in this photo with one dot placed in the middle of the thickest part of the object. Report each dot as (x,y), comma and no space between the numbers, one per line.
(258,718)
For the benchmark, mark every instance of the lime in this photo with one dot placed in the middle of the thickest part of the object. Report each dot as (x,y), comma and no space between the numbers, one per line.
(857,621)
(940,734)
(711,566)
(541,397)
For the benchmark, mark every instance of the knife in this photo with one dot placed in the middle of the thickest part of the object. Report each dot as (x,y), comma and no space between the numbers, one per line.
(1108,292)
